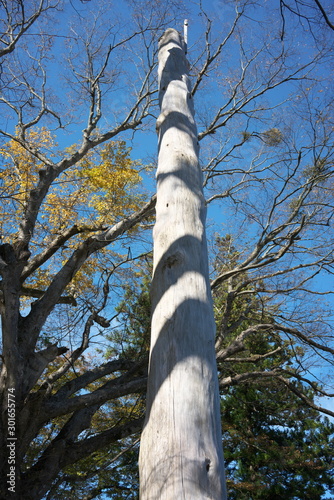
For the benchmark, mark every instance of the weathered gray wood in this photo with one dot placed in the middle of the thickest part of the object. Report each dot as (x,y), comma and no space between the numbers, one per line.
(181,450)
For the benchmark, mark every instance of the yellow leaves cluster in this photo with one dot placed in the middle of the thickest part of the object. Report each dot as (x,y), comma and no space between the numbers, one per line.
(91,195)
(97,191)
(94,193)
(109,176)
(19,172)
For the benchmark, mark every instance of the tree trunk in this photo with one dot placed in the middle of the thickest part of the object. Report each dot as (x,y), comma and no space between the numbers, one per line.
(181,449)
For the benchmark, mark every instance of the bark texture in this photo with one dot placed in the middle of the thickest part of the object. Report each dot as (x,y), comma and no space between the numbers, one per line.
(181,450)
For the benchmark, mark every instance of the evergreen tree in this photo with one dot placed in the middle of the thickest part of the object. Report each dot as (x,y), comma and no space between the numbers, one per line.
(275,446)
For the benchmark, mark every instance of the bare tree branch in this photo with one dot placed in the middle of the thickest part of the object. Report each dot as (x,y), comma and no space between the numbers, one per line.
(17,24)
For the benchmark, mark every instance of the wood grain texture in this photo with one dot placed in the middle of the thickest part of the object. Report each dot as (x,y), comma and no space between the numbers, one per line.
(181,450)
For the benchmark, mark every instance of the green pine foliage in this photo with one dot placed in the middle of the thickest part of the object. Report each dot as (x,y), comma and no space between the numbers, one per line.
(275,446)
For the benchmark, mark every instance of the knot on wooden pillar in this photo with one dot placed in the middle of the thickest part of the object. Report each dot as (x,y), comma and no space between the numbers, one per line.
(173,260)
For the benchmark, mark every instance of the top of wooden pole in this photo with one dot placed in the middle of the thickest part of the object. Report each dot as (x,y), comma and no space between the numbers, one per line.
(185,34)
